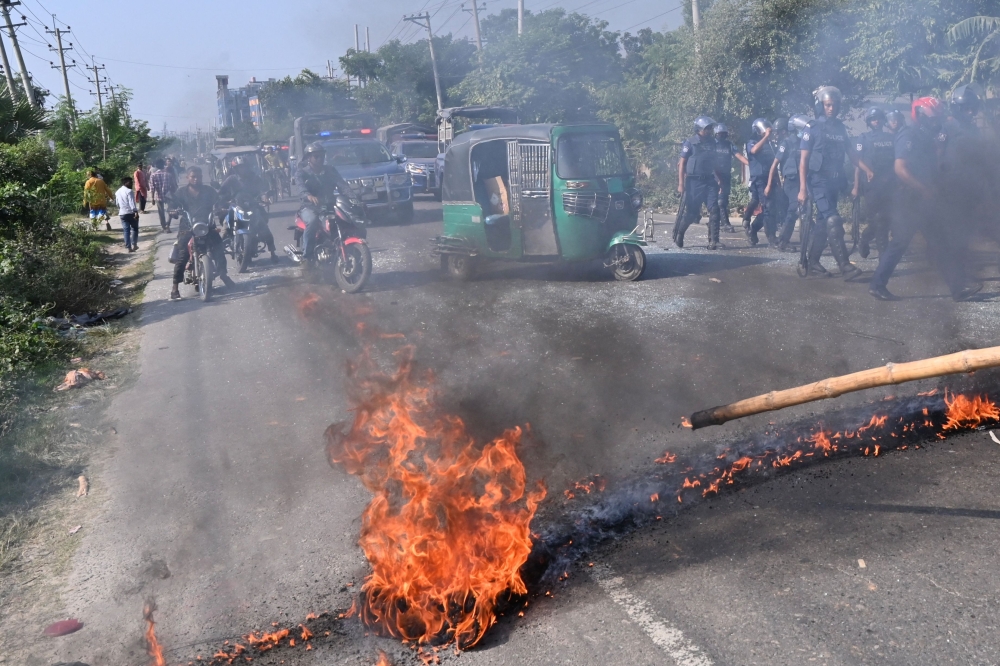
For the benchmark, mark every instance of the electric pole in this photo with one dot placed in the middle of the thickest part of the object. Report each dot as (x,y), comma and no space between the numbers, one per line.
(5,6)
(62,65)
(695,14)
(6,71)
(100,102)
(520,16)
(368,40)
(475,19)
(424,21)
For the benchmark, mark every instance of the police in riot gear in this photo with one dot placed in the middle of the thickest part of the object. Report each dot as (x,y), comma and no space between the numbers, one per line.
(779,201)
(875,148)
(964,106)
(917,208)
(760,154)
(726,151)
(697,181)
(824,150)
(894,121)
(785,169)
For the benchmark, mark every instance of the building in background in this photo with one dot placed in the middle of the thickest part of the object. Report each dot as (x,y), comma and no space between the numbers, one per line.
(239,105)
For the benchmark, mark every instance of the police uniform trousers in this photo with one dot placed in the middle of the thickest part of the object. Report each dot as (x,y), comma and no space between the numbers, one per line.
(765,219)
(829,226)
(876,209)
(911,213)
(790,188)
(700,190)
(725,190)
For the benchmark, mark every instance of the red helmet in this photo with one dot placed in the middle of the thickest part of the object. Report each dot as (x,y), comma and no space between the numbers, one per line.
(926,107)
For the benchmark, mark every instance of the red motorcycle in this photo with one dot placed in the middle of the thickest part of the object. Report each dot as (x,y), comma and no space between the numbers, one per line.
(338,244)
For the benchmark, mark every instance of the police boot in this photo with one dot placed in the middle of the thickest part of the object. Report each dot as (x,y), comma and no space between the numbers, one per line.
(724,219)
(713,231)
(839,249)
(680,229)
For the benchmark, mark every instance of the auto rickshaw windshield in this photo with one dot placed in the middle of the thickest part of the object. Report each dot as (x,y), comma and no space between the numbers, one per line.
(590,155)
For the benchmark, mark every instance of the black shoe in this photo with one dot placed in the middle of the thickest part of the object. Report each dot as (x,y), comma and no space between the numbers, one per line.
(864,248)
(679,241)
(713,246)
(782,246)
(752,237)
(968,292)
(817,271)
(729,229)
(882,294)
(175,295)
(772,240)
(226,280)
(849,271)
(274,258)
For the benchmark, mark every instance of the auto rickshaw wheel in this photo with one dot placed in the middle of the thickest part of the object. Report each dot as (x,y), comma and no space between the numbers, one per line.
(458,266)
(627,262)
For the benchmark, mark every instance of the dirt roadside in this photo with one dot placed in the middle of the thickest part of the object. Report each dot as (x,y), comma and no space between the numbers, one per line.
(69,437)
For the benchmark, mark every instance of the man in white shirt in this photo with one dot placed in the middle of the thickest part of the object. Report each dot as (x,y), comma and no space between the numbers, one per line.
(128,211)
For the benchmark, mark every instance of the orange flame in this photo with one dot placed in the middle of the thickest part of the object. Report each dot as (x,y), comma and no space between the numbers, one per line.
(667,458)
(965,412)
(153,647)
(383,659)
(448,529)
(686,422)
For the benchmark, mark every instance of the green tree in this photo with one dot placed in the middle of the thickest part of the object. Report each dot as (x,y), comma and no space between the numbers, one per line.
(977,37)
(18,119)
(288,98)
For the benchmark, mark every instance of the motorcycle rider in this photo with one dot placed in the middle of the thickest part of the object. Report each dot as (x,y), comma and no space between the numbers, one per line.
(199,201)
(317,181)
(245,184)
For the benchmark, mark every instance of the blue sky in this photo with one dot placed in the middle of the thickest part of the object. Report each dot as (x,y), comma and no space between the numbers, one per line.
(169,53)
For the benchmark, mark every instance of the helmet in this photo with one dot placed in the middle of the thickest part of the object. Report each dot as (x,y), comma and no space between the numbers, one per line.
(896,116)
(760,126)
(315,148)
(927,108)
(824,93)
(702,122)
(965,99)
(721,129)
(798,122)
(781,124)
(874,114)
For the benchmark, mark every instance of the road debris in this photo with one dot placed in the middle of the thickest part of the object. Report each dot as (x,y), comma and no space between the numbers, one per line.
(84,486)
(78,378)
(63,627)
(994,437)
(862,565)
(716,280)
(75,530)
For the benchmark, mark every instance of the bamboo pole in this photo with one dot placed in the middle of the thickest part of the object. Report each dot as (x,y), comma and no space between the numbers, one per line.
(969,360)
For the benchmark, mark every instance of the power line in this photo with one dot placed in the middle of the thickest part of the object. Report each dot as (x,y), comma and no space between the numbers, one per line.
(206,69)
(654,17)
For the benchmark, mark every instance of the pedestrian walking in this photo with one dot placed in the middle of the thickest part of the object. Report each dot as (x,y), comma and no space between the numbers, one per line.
(876,148)
(697,183)
(760,155)
(162,185)
(918,206)
(96,195)
(128,212)
(824,149)
(726,151)
(141,185)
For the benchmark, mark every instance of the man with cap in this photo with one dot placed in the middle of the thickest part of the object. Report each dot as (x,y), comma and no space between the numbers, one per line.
(697,183)
(876,149)
(726,151)
(917,206)
(824,150)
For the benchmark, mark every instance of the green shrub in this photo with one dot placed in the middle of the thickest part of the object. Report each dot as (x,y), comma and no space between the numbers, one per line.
(23,343)
(30,163)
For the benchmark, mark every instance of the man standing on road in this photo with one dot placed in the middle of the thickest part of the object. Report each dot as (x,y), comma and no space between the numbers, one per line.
(917,207)
(697,183)
(141,187)
(876,148)
(760,155)
(726,151)
(128,212)
(162,184)
(96,195)
(317,181)
(821,174)
(199,201)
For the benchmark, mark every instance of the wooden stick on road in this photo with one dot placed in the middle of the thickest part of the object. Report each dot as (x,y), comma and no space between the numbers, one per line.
(969,360)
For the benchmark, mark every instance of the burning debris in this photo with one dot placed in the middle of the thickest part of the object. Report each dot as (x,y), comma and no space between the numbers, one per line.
(153,647)
(448,529)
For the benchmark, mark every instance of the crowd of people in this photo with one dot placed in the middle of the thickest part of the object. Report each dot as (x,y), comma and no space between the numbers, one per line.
(799,169)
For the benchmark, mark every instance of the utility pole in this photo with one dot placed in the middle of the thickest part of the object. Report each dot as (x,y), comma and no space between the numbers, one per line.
(357,42)
(695,14)
(62,65)
(5,6)
(424,21)
(100,102)
(368,40)
(475,19)
(520,17)
(6,71)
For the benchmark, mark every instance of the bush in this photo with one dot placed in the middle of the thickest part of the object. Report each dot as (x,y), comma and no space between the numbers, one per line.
(23,343)
(30,163)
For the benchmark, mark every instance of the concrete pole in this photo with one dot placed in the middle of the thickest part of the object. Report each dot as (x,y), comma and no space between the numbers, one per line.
(62,64)
(475,19)
(28,91)
(520,17)
(695,14)
(7,72)
(368,40)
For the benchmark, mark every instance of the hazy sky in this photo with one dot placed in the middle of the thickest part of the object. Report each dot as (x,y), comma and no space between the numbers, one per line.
(177,47)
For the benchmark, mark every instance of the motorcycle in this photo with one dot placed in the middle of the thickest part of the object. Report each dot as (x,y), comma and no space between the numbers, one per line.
(202,268)
(339,242)
(246,226)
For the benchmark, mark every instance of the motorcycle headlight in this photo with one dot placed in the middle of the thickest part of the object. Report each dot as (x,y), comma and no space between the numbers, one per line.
(200,229)
(637,199)
(399,179)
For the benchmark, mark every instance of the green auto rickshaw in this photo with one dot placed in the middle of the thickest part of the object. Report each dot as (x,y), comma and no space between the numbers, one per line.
(540,193)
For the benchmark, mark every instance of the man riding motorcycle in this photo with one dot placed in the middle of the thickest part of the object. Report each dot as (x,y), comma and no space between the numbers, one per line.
(245,184)
(317,182)
(199,201)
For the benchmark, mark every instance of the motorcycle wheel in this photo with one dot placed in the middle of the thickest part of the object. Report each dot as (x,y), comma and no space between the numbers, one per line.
(244,248)
(205,276)
(629,262)
(352,273)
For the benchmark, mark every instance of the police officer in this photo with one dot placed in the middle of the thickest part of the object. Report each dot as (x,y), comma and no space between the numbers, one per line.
(725,151)
(964,106)
(786,169)
(875,148)
(760,155)
(895,121)
(824,148)
(917,207)
(779,200)
(696,181)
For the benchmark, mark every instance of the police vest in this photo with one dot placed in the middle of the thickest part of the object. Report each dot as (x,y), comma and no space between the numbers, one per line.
(724,155)
(879,152)
(790,156)
(702,160)
(760,164)
(829,148)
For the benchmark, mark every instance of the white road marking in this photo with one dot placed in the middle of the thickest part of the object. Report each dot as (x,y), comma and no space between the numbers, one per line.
(668,638)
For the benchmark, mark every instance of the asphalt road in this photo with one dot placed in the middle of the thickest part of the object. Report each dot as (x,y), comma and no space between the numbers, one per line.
(221,503)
